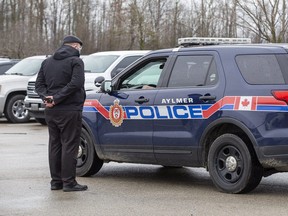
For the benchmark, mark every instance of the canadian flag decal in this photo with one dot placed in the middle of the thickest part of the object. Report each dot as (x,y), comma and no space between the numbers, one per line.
(245,103)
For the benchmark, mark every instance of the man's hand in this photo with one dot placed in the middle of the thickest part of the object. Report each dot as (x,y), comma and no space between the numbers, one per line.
(49,102)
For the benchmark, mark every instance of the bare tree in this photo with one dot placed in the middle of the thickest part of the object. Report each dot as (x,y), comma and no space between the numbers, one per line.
(265,18)
(156,12)
(29,27)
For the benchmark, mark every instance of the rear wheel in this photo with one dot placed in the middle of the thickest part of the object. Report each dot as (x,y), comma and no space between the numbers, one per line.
(231,165)
(88,162)
(15,110)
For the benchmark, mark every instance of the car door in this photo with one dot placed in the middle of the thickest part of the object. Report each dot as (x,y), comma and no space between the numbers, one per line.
(126,132)
(187,105)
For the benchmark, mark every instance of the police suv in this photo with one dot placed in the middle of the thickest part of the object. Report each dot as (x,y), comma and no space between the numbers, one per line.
(222,107)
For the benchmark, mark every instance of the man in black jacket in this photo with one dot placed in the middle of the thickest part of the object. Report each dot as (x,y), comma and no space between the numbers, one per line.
(60,84)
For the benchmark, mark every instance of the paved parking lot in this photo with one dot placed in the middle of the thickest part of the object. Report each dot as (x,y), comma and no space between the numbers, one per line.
(119,189)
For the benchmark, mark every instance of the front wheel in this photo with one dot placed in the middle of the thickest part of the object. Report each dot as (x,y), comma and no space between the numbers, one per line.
(232,166)
(88,162)
(15,110)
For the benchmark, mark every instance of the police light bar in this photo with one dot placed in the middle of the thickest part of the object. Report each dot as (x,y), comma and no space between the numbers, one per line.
(211,41)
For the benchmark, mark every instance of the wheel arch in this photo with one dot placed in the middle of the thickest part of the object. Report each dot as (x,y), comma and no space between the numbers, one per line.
(222,126)
(97,148)
(11,94)
(14,111)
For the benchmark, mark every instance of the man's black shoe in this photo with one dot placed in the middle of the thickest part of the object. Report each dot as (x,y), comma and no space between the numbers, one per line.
(57,187)
(76,187)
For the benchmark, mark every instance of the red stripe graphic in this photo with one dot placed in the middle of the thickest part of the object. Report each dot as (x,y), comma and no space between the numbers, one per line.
(254,103)
(228,100)
(237,103)
(101,109)
(269,101)
(215,107)
(220,103)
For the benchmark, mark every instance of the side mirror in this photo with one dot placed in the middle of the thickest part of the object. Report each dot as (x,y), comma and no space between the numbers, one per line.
(106,86)
(98,81)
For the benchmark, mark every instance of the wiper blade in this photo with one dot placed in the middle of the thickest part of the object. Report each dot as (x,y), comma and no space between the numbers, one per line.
(90,71)
(21,74)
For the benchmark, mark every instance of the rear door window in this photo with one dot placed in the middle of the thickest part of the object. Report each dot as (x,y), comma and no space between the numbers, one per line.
(194,71)
(263,69)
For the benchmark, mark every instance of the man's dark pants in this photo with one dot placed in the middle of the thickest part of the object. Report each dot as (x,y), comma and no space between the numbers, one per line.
(64,138)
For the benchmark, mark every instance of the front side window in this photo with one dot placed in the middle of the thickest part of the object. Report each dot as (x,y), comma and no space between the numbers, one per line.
(146,77)
(193,71)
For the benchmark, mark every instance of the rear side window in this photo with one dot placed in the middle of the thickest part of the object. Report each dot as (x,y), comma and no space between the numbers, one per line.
(4,68)
(194,71)
(263,69)
(98,63)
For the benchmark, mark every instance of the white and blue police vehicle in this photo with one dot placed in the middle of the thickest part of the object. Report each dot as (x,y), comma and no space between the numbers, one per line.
(222,107)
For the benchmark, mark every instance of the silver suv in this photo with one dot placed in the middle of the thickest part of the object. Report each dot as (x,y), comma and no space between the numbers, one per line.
(13,85)
(106,64)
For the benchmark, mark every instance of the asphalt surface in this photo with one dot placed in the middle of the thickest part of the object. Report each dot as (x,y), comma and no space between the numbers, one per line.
(119,189)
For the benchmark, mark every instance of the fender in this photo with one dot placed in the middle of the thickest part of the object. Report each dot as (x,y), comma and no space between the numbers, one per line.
(203,149)
(96,145)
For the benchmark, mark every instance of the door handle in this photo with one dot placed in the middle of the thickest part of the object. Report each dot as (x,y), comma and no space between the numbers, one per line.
(207,97)
(141,100)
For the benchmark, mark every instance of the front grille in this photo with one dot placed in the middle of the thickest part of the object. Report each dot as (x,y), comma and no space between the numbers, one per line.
(31,90)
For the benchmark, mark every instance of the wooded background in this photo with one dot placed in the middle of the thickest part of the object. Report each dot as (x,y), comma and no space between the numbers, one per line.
(32,27)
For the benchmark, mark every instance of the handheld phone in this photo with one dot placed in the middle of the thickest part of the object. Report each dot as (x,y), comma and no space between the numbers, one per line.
(48,100)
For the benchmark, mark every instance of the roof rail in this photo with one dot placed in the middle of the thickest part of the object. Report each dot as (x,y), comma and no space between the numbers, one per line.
(190,41)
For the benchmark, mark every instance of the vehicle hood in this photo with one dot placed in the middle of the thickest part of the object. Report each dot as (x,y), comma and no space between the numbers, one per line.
(13,78)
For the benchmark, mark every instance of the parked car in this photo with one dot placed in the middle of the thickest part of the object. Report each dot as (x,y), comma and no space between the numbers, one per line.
(6,64)
(106,64)
(221,107)
(13,86)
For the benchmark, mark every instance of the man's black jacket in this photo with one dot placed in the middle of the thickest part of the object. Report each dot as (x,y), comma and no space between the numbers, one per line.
(62,76)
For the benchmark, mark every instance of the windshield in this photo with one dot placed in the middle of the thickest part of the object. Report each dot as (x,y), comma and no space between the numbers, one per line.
(98,63)
(26,67)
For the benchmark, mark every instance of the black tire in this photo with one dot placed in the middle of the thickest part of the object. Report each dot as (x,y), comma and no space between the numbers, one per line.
(42,121)
(232,166)
(88,162)
(15,110)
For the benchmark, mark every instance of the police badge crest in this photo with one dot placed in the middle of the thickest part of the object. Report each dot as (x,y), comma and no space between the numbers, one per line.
(116,114)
